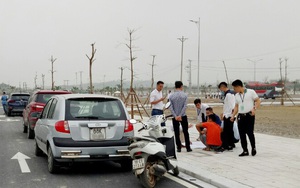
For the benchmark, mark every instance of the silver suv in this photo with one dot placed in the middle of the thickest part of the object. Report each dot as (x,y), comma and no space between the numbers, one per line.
(83,127)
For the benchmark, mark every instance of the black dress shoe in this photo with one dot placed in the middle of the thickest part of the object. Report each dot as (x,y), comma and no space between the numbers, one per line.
(189,150)
(253,152)
(245,153)
(178,150)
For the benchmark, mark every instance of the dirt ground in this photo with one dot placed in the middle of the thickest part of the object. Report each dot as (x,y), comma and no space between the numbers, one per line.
(274,120)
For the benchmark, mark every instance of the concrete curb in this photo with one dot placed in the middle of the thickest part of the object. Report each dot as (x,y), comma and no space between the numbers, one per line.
(208,177)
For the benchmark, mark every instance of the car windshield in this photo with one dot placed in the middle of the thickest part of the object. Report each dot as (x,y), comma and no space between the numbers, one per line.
(17,97)
(43,98)
(94,109)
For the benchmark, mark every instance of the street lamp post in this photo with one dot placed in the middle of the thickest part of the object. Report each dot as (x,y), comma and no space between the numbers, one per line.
(198,74)
(254,62)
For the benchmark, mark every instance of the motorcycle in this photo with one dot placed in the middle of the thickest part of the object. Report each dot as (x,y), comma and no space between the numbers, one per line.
(154,153)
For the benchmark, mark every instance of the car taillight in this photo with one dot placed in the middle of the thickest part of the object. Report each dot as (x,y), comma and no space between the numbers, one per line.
(128,126)
(35,107)
(62,126)
(138,153)
(11,101)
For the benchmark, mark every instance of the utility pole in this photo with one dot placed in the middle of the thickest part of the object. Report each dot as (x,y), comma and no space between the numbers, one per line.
(103,81)
(24,87)
(67,81)
(254,62)
(43,81)
(121,85)
(295,82)
(35,78)
(226,73)
(281,80)
(152,67)
(285,76)
(182,39)
(76,78)
(52,72)
(80,80)
(189,71)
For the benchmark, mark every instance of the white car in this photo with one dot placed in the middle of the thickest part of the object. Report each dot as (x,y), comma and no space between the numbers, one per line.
(83,127)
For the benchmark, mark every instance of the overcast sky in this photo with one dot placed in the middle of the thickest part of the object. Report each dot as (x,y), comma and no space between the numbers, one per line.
(231,30)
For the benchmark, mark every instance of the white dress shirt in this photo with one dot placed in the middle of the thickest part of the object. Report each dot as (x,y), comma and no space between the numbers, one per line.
(246,100)
(154,96)
(229,104)
(201,111)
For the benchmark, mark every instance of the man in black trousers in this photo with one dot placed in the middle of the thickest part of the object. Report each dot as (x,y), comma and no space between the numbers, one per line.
(247,102)
(178,106)
(229,104)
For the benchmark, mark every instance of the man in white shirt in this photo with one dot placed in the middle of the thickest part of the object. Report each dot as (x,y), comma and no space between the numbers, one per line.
(247,102)
(229,104)
(156,100)
(201,115)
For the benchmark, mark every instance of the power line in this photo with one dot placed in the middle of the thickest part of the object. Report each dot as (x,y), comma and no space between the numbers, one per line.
(253,56)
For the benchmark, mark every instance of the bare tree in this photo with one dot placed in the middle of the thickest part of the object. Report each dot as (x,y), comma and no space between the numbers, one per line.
(134,100)
(91,60)
(132,58)
(52,72)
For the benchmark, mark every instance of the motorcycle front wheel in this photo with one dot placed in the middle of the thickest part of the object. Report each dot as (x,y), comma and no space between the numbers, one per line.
(148,180)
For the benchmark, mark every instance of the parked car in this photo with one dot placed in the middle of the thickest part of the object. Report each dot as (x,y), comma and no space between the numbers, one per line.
(83,127)
(35,105)
(17,102)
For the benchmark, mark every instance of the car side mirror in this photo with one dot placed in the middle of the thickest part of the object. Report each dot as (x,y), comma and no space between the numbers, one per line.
(167,105)
(38,115)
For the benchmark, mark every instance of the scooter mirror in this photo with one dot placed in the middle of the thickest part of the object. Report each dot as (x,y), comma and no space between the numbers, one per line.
(167,105)
(133,121)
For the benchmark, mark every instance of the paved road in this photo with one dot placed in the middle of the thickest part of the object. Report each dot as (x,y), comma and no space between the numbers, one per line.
(104,174)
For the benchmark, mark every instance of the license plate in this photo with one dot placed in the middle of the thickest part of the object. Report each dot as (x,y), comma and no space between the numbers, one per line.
(138,163)
(97,134)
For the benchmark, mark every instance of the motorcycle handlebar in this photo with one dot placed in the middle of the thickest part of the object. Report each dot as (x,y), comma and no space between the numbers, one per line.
(169,116)
(141,129)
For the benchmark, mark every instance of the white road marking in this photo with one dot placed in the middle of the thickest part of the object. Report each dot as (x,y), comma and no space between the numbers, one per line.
(180,181)
(9,120)
(22,162)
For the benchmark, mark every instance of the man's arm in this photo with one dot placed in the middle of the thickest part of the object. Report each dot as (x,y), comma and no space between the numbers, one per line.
(152,99)
(184,107)
(256,105)
(235,111)
(157,101)
(172,109)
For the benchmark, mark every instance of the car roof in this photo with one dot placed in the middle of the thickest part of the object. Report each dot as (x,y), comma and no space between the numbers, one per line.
(19,94)
(52,91)
(74,96)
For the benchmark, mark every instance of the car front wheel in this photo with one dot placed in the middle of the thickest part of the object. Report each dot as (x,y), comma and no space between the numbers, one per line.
(30,132)
(24,127)
(38,152)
